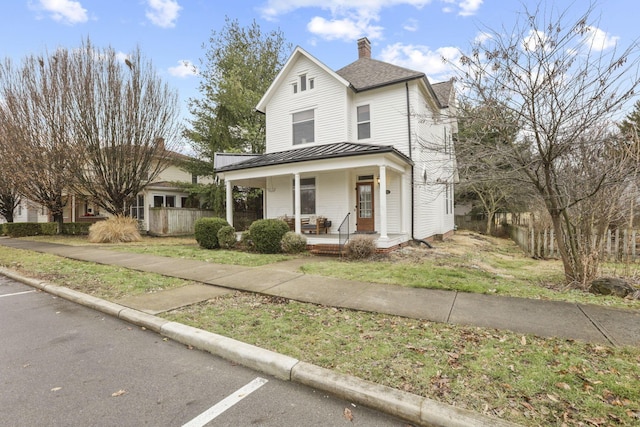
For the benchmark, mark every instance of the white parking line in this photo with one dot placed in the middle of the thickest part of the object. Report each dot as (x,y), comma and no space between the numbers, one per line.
(17,293)
(226,403)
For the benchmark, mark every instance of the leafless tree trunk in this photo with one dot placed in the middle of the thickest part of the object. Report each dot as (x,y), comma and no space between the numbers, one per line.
(39,145)
(127,120)
(9,197)
(563,89)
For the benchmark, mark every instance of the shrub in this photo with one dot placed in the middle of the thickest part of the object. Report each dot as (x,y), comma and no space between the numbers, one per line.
(293,243)
(360,247)
(3,229)
(76,228)
(246,241)
(118,229)
(227,237)
(267,234)
(22,229)
(206,231)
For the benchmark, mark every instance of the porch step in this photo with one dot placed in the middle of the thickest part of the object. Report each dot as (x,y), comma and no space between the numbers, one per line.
(324,249)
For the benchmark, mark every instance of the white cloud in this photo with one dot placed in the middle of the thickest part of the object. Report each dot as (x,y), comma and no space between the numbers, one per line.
(411,25)
(600,40)
(469,7)
(163,13)
(535,40)
(482,37)
(344,29)
(421,58)
(66,11)
(274,8)
(121,56)
(185,68)
(349,19)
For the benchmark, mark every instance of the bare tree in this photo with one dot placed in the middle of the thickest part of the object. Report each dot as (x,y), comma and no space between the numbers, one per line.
(486,174)
(127,120)
(9,196)
(40,148)
(563,87)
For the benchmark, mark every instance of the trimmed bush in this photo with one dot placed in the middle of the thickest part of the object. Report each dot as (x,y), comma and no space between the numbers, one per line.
(76,228)
(360,247)
(22,229)
(118,229)
(3,229)
(246,241)
(206,231)
(267,235)
(293,243)
(227,237)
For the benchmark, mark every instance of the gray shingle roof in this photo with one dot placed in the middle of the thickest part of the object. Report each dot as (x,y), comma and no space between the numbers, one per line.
(367,73)
(315,152)
(443,91)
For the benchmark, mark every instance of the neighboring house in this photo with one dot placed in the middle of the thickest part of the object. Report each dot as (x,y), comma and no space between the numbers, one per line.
(370,144)
(160,193)
(28,211)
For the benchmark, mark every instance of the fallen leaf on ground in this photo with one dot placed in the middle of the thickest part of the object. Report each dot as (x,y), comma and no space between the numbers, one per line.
(523,340)
(118,393)
(348,414)
(563,386)
(56,388)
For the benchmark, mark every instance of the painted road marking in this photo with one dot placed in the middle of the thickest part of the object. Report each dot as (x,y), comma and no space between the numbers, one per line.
(17,293)
(226,403)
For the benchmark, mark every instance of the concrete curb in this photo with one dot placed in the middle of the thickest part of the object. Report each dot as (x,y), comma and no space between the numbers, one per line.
(415,409)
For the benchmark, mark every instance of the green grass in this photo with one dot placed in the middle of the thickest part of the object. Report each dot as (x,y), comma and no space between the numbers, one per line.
(99,280)
(523,379)
(465,263)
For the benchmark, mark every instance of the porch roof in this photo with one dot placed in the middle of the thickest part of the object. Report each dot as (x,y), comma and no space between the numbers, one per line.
(315,152)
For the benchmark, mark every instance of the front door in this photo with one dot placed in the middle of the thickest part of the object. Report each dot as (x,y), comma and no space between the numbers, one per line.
(364,211)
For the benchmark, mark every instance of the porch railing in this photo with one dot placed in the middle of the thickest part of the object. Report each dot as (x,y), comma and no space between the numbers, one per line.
(343,233)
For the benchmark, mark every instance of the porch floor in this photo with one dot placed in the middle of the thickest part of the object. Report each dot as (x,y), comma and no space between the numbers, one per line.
(333,239)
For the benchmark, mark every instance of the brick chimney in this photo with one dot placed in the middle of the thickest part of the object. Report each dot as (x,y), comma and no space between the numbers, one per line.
(364,48)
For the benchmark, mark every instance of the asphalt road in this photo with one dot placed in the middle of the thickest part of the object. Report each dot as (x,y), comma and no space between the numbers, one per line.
(66,365)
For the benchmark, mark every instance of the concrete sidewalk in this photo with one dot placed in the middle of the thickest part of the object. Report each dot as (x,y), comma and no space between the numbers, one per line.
(544,318)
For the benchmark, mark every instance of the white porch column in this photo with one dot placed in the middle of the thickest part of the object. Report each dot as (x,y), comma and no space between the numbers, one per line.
(383,202)
(229,196)
(296,198)
(404,206)
(73,208)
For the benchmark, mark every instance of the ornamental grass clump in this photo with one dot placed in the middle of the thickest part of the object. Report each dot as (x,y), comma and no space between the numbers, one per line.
(293,243)
(360,247)
(118,229)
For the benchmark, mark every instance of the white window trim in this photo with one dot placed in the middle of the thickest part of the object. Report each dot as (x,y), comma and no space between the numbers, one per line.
(368,121)
(313,109)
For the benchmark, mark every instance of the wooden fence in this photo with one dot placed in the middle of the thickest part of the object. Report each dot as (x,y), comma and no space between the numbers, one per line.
(620,245)
(174,221)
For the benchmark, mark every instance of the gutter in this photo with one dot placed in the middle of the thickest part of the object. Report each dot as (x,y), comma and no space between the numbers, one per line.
(406,84)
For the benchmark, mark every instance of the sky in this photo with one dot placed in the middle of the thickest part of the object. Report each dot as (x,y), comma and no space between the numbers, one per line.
(174,34)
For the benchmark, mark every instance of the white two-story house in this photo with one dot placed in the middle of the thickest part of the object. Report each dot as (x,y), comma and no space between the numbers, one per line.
(369,147)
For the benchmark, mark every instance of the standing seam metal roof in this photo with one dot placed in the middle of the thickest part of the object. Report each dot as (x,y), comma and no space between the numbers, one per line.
(316,152)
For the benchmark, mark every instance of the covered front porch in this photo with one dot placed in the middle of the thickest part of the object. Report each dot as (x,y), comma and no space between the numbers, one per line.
(358,188)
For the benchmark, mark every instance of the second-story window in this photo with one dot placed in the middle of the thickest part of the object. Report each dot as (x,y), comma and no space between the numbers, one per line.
(303,83)
(303,127)
(364,122)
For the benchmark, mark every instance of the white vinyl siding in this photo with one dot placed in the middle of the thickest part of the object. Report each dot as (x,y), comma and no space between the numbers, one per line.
(327,99)
(387,116)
